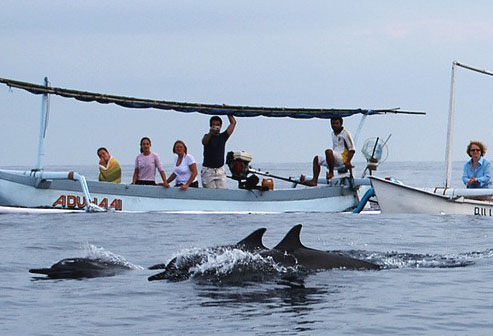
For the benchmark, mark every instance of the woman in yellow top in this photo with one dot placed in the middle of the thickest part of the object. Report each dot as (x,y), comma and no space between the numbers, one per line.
(109,167)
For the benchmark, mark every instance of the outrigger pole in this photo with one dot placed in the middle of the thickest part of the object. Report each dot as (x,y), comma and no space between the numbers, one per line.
(45,110)
(38,172)
(450,128)
(451,118)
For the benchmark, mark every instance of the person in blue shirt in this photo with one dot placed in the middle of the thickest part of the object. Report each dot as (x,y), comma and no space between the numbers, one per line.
(477,169)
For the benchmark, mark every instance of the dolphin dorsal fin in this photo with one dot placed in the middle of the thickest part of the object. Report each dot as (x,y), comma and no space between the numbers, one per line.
(254,240)
(291,240)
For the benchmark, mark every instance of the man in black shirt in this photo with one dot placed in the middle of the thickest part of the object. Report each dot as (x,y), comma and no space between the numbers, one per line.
(213,173)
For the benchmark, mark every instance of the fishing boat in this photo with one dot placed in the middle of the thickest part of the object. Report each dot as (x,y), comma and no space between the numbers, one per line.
(396,197)
(37,188)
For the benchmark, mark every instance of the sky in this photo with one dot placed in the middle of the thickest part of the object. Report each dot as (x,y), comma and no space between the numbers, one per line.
(320,54)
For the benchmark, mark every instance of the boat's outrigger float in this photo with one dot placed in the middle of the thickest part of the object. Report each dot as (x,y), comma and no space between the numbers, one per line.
(70,190)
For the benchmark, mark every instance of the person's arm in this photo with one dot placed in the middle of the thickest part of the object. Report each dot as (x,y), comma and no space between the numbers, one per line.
(349,144)
(193,168)
(171,178)
(232,124)
(465,175)
(136,175)
(485,178)
(206,138)
(102,170)
(112,172)
(350,155)
(159,167)
(163,176)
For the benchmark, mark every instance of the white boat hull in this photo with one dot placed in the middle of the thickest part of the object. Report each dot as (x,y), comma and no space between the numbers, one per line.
(22,190)
(396,198)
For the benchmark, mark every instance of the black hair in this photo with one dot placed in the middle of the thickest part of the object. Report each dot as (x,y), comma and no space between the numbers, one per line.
(102,148)
(216,118)
(337,118)
(142,140)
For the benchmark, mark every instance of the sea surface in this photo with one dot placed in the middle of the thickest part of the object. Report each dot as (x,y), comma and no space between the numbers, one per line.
(437,276)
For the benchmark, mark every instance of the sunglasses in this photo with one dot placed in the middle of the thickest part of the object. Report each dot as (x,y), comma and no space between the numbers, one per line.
(475,150)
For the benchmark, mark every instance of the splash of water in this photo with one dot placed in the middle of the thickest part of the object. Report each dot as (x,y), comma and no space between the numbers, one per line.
(99,253)
(224,261)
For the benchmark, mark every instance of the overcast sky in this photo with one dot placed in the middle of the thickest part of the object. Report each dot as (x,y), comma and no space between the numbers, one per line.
(328,54)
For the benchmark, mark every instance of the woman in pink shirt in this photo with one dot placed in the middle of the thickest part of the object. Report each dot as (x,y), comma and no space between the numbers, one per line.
(146,164)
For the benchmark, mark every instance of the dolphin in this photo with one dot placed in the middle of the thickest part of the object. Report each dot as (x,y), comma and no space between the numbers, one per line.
(290,252)
(79,268)
(179,270)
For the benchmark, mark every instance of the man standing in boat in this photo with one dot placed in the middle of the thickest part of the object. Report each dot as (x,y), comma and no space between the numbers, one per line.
(213,173)
(341,154)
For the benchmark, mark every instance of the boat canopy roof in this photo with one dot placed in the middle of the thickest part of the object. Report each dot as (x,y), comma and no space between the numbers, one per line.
(210,109)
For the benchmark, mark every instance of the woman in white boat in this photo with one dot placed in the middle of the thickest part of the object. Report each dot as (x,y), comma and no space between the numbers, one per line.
(146,164)
(185,168)
(477,169)
(109,167)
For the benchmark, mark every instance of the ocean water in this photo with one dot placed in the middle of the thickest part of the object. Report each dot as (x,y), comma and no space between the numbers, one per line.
(436,279)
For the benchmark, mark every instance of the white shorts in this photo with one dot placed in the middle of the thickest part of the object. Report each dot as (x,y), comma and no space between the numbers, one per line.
(338,160)
(214,178)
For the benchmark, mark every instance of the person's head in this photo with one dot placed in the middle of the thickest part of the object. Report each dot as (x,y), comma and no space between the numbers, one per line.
(215,123)
(336,124)
(476,147)
(179,147)
(103,154)
(145,145)
(215,120)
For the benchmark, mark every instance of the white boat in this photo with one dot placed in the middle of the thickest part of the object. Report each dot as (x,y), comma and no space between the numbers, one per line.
(35,191)
(396,197)
(41,189)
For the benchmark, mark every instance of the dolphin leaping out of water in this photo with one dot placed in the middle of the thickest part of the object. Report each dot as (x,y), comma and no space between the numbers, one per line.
(79,268)
(290,252)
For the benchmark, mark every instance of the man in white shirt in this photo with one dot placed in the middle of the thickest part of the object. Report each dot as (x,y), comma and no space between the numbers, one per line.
(341,154)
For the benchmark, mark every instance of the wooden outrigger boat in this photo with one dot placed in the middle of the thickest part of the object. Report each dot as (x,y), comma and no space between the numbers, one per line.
(35,190)
(38,188)
(396,197)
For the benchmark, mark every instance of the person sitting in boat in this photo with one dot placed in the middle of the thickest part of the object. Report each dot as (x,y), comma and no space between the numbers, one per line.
(341,154)
(185,168)
(477,169)
(109,167)
(146,164)
(213,173)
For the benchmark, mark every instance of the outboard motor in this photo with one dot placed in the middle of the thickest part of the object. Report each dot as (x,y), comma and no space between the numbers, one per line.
(239,165)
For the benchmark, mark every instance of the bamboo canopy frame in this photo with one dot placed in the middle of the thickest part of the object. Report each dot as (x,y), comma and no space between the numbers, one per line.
(210,109)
